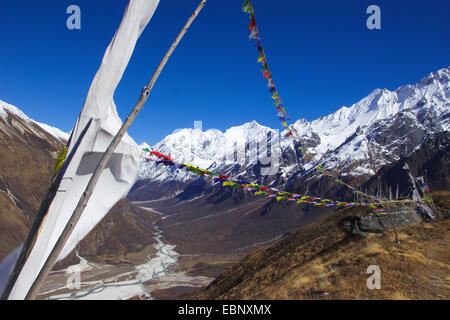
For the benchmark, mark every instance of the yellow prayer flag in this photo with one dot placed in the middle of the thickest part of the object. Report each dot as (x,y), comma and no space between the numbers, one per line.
(60,161)
(261,57)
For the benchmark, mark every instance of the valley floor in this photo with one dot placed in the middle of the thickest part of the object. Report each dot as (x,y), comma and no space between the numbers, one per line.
(157,272)
(146,275)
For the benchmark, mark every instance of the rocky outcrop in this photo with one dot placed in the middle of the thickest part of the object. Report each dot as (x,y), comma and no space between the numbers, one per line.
(370,222)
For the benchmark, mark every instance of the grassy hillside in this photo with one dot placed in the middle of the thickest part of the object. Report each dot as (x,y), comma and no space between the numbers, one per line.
(321,261)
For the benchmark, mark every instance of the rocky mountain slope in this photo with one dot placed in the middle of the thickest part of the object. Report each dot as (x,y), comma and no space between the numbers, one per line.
(27,154)
(431,161)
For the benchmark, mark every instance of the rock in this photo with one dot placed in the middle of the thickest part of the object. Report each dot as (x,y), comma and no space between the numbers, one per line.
(371,222)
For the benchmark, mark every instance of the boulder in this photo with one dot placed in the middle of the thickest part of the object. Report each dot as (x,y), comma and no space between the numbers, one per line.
(371,222)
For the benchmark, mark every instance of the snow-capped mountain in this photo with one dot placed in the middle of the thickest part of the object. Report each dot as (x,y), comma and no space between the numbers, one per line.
(206,149)
(354,141)
(382,122)
(6,109)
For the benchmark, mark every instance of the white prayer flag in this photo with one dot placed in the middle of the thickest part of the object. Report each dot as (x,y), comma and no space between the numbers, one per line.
(97,124)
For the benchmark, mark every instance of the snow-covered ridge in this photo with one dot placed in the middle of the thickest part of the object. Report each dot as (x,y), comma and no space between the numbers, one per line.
(430,93)
(205,149)
(6,108)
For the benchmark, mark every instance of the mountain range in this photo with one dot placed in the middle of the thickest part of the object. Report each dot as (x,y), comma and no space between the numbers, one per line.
(354,142)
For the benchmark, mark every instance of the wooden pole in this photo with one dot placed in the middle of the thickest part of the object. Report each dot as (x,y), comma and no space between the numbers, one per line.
(82,203)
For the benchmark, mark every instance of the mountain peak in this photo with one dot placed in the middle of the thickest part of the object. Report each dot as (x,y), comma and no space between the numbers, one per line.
(252,124)
(443,73)
(6,108)
(144,145)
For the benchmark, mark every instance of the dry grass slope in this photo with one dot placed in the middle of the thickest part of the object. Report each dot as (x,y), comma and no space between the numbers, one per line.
(320,261)
(27,155)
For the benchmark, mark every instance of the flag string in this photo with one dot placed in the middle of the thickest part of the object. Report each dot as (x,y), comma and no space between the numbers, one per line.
(270,192)
(283,116)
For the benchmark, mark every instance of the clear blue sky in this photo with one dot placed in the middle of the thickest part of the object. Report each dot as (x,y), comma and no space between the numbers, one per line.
(321,55)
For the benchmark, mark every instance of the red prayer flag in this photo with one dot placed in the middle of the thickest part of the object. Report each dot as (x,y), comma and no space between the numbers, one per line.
(252,23)
(160,155)
(266,74)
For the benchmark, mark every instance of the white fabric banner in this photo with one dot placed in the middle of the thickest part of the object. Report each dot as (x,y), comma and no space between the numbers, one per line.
(97,124)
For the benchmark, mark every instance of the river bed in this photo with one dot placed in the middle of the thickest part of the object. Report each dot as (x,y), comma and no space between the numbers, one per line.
(90,281)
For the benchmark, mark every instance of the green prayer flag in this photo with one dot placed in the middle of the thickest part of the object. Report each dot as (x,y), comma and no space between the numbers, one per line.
(247,6)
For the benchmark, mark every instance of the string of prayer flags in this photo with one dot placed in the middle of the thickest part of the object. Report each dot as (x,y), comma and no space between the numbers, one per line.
(247,7)
(270,192)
